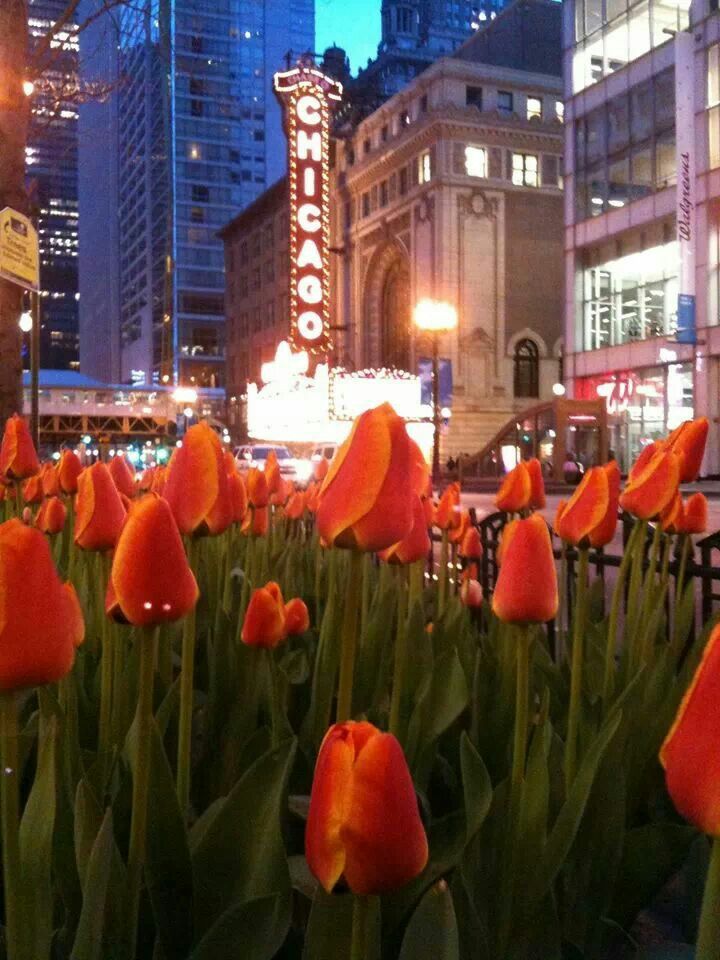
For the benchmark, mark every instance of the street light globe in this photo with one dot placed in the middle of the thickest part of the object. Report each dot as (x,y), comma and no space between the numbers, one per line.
(558,389)
(185,395)
(435,316)
(28,88)
(25,322)
(188,411)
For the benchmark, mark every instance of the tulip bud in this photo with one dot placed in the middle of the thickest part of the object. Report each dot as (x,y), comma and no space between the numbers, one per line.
(363,823)
(51,516)
(295,506)
(123,475)
(196,486)
(586,508)
(264,624)
(694,515)
(416,546)
(471,593)
(691,751)
(604,532)
(32,490)
(526,588)
(256,522)
(100,513)
(537,484)
(49,479)
(644,457)
(471,547)
(448,514)
(257,488)
(272,473)
(18,459)
(238,497)
(365,501)
(40,618)
(688,440)
(69,469)
(150,580)
(297,618)
(652,488)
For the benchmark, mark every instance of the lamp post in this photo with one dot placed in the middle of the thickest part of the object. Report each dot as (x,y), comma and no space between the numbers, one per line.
(434,317)
(29,322)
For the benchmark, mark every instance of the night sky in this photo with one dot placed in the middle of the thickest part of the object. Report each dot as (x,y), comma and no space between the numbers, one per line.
(352,24)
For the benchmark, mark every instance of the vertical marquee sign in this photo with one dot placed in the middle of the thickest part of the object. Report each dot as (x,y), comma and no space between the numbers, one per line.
(307,95)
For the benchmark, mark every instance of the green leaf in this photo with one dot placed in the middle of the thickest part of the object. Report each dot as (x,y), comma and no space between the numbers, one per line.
(256,929)
(476,786)
(443,700)
(329,931)
(36,844)
(89,943)
(565,827)
(168,871)
(432,933)
(88,818)
(240,855)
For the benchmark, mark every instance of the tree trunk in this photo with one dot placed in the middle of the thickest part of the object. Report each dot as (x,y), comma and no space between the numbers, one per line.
(14,117)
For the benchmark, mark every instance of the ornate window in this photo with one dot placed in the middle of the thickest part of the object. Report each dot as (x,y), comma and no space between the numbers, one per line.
(526,363)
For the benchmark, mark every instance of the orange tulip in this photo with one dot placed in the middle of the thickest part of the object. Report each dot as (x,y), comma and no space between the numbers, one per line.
(158,480)
(586,509)
(272,474)
(295,506)
(365,500)
(471,593)
(196,485)
(515,490)
(320,469)
(537,484)
(604,532)
(471,547)
(419,470)
(100,513)
(40,618)
(691,751)
(281,494)
(297,618)
(150,580)
(264,624)
(238,496)
(457,534)
(363,822)
(18,459)
(32,490)
(695,515)
(448,513)
(672,516)
(69,469)
(146,479)
(123,475)
(689,441)
(51,516)
(416,544)
(312,497)
(526,588)
(257,488)
(49,479)
(256,521)
(653,487)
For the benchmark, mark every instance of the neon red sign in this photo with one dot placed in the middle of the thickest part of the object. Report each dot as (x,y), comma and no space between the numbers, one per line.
(307,95)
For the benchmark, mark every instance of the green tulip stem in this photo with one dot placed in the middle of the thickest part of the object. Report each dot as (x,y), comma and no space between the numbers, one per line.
(522,696)
(562,603)
(10,803)
(615,605)
(708,942)
(274,697)
(359,946)
(141,779)
(106,667)
(649,585)
(685,551)
(401,644)
(187,676)
(636,580)
(443,575)
(353,595)
(576,669)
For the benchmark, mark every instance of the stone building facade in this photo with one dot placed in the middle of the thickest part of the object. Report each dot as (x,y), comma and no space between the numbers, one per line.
(452,190)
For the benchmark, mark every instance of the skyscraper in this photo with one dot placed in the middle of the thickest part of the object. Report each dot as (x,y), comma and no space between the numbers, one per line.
(51,160)
(193,133)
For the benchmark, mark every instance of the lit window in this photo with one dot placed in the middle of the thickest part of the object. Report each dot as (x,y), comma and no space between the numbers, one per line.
(424,167)
(194,151)
(525,169)
(534,108)
(504,101)
(560,110)
(476,161)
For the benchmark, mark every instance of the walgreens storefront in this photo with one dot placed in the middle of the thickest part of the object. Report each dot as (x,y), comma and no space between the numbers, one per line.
(643,405)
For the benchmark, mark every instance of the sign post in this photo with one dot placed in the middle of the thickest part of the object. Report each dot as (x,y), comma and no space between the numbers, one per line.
(307,95)
(685,203)
(20,264)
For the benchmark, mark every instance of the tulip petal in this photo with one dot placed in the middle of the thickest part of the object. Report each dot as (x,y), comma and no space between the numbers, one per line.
(329,802)
(653,487)
(526,588)
(192,483)
(586,507)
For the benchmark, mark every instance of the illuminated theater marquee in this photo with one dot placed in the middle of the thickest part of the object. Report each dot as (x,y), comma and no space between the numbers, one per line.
(307,94)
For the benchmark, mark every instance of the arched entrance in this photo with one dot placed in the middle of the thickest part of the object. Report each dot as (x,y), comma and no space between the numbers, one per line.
(388,318)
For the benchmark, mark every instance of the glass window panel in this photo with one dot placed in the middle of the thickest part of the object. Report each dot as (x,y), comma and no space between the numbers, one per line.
(664,86)
(619,181)
(714,137)
(639,30)
(618,124)
(665,160)
(593,15)
(579,19)
(641,111)
(580,139)
(616,45)
(713,76)
(594,60)
(596,135)
(664,20)
(642,171)
(615,8)
(597,189)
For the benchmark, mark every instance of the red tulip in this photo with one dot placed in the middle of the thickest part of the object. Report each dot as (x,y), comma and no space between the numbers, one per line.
(471,593)
(671,517)
(40,618)
(471,547)
(363,822)
(257,488)
(695,515)
(51,516)
(18,459)
(689,441)
(123,475)
(238,497)
(604,532)
(196,486)
(256,521)
(515,490)
(295,506)
(416,544)
(448,513)
(297,617)
(645,456)
(69,469)
(32,490)
(320,469)
(691,751)
(150,581)
(586,509)
(264,624)
(49,478)
(537,484)
(652,488)
(526,588)
(100,513)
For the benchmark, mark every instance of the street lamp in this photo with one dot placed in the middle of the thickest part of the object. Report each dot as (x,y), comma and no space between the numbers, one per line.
(435,317)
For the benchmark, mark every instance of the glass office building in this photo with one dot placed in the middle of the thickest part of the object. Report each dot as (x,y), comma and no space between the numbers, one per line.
(197,135)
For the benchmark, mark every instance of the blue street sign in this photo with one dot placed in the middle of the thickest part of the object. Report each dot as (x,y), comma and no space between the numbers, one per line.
(686,318)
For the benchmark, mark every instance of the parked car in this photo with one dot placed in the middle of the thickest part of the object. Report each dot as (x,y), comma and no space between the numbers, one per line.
(323,450)
(255,455)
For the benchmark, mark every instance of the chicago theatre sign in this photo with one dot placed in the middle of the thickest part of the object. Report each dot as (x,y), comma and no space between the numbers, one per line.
(307,95)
